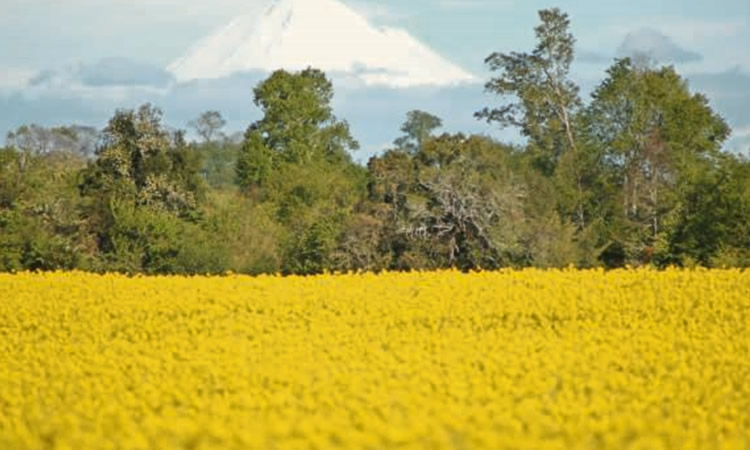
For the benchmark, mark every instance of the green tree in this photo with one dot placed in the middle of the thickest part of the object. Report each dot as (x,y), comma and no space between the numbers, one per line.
(658,140)
(208,125)
(453,203)
(39,224)
(713,222)
(298,126)
(143,162)
(295,162)
(313,202)
(542,101)
(142,198)
(418,127)
(146,240)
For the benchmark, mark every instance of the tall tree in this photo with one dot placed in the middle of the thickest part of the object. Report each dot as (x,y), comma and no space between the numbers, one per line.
(541,100)
(36,140)
(142,162)
(658,139)
(295,162)
(418,127)
(453,203)
(142,199)
(298,125)
(208,125)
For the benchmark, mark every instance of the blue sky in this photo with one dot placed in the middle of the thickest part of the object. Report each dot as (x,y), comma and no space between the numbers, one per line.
(707,41)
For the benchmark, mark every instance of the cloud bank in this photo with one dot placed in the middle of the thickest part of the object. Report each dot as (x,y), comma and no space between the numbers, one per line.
(656,45)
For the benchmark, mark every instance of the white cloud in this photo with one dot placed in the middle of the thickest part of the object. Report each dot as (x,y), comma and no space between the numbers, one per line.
(657,46)
(719,41)
(741,132)
(104,73)
(694,30)
(687,30)
(14,78)
(122,72)
(473,4)
(107,80)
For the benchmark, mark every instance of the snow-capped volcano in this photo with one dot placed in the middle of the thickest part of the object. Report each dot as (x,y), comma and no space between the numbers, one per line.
(326,34)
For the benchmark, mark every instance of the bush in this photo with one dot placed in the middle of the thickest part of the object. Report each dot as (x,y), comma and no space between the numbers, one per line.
(151,241)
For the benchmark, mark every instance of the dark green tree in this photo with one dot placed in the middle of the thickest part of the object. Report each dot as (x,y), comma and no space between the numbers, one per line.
(295,161)
(712,227)
(418,127)
(39,224)
(142,162)
(658,140)
(453,203)
(298,126)
(142,199)
(543,103)
(541,100)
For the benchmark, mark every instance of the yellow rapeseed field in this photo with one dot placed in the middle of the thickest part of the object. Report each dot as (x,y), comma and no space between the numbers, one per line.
(517,359)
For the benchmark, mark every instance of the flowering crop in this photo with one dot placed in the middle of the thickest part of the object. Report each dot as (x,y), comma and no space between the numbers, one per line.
(530,359)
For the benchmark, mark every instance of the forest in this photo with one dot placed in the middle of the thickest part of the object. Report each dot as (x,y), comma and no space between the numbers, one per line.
(635,175)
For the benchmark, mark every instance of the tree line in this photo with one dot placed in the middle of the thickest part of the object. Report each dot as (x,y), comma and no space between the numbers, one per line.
(635,175)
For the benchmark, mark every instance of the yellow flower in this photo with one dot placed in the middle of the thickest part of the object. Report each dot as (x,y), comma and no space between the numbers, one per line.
(509,359)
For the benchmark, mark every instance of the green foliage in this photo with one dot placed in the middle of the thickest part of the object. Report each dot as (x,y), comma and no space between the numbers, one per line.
(544,100)
(312,202)
(452,202)
(27,244)
(712,227)
(249,230)
(208,126)
(309,252)
(418,127)
(153,241)
(552,239)
(255,164)
(219,163)
(543,103)
(142,196)
(660,142)
(295,162)
(142,163)
(636,176)
(298,126)
(12,184)
(39,227)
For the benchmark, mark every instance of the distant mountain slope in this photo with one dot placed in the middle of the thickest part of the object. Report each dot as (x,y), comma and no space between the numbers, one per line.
(326,34)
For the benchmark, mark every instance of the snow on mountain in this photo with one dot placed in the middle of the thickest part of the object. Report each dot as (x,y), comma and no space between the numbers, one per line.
(326,34)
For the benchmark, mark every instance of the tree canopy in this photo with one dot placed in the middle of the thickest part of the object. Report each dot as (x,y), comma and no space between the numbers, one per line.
(634,175)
